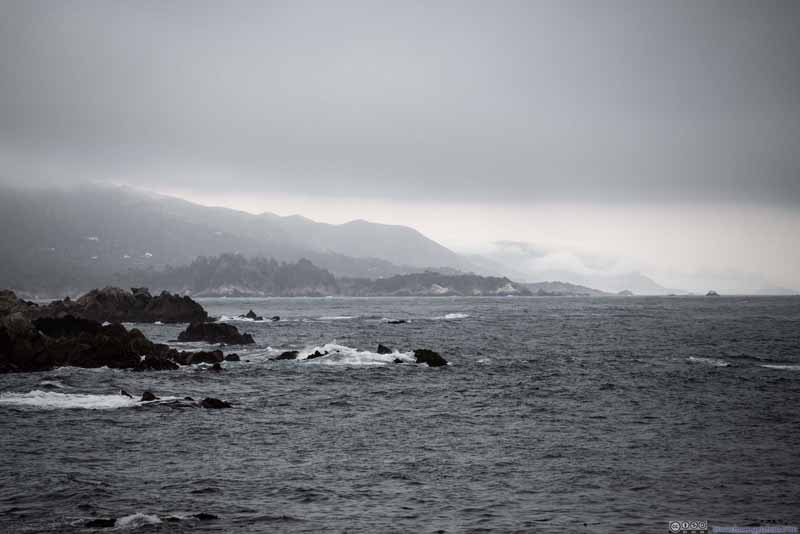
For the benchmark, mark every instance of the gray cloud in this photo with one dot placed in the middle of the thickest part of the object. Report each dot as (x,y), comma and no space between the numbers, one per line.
(524,101)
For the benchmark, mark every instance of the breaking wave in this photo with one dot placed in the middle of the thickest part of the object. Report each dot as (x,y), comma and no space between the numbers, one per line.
(137,520)
(709,361)
(336,317)
(344,355)
(52,400)
(452,316)
(782,367)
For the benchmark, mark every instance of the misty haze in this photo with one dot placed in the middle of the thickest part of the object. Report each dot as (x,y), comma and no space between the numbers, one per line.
(455,266)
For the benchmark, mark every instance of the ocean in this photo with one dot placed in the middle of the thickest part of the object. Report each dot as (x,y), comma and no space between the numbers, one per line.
(555,415)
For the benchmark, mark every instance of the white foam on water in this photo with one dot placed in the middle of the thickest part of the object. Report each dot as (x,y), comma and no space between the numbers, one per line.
(241,319)
(336,317)
(708,361)
(452,316)
(782,367)
(51,384)
(52,400)
(344,355)
(136,520)
(158,322)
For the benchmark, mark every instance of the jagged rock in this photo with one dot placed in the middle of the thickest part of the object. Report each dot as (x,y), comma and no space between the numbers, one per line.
(192,358)
(48,342)
(215,333)
(156,363)
(252,315)
(117,305)
(214,404)
(101,523)
(125,393)
(275,318)
(396,321)
(232,357)
(148,396)
(287,355)
(67,326)
(316,354)
(429,357)
(383,349)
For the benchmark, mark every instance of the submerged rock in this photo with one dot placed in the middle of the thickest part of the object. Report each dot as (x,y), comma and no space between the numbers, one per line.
(252,315)
(192,358)
(215,333)
(214,404)
(101,523)
(316,354)
(148,396)
(205,516)
(287,355)
(398,360)
(396,321)
(429,357)
(216,367)
(156,363)
(383,349)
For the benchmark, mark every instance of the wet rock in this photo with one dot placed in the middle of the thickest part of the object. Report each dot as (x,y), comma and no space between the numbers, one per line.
(252,315)
(398,360)
(192,358)
(215,333)
(67,326)
(383,349)
(216,367)
(148,396)
(204,516)
(396,321)
(101,523)
(316,354)
(275,318)
(429,357)
(214,404)
(287,355)
(232,357)
(114,304)
(188,399)
(125,393)
(156,363)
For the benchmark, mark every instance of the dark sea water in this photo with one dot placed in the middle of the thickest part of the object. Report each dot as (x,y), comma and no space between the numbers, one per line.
(557,415)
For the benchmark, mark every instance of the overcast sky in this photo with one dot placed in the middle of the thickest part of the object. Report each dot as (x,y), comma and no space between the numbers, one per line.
(664,132)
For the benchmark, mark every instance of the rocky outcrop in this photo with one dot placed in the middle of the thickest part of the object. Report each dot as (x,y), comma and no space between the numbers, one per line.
(214,404)
(232,357)
(113,304)
(50,342)
(429,357)
(156,363)
(215,333)
(287,355)
(78,343)
(383,349)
